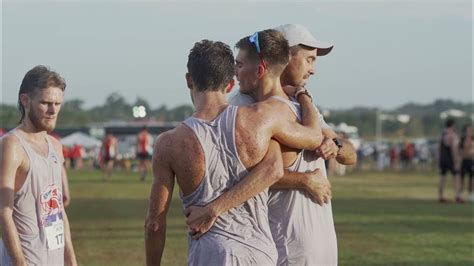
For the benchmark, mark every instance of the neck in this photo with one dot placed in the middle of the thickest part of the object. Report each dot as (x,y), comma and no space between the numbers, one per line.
(284,80)
(269,87)
(31,131)
(209,104)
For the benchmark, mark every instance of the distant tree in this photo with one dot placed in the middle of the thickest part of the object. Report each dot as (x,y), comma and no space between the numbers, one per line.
(9,116)
(424,118)
(141,101)
(180,113)
(115,108)
(160,114)
(72,114)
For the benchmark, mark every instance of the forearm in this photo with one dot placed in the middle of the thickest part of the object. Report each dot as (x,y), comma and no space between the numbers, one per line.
(258,180)
(306,135)
(11,240)
(262,176)
(158,205)
(69,254)
(310,118)
(346,155)
(154,244)
(291,180)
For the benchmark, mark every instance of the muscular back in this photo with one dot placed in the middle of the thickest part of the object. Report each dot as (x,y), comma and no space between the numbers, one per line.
(185,156)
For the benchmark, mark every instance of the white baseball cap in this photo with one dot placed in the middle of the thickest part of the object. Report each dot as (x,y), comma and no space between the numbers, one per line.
(297,34)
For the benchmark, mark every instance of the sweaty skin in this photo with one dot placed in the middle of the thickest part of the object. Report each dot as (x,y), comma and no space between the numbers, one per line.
(169,161)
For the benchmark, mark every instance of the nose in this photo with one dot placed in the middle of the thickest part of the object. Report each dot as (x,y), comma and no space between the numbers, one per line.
(312,70)
(51,109)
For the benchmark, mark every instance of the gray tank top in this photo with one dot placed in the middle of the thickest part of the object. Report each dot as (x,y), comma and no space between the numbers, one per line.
(240,236)
(303,231)
(37,209)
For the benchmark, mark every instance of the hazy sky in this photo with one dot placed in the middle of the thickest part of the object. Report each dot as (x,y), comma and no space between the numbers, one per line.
(386,52)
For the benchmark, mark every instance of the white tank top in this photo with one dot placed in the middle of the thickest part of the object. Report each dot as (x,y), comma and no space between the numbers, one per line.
(37,209)
(240,236)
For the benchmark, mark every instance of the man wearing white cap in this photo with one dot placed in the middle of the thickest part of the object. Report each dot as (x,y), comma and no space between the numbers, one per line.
(303,231)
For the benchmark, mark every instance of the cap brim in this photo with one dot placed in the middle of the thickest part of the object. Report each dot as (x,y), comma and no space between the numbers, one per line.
(324,51)
(323,48)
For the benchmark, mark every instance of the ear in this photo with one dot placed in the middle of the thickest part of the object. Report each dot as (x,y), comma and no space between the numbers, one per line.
(24,99)
(260,71)
(189,81)
(230,86)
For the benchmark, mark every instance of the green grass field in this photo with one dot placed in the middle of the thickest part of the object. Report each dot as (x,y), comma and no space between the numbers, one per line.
(381,218)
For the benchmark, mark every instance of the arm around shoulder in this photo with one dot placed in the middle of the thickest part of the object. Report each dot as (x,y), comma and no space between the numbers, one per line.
(269,170)
(289,132)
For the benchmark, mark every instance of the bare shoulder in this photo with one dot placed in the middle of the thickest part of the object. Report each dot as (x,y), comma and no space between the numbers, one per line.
(11,151)
(270,108)
(10,145)
(171,141)
(277,106)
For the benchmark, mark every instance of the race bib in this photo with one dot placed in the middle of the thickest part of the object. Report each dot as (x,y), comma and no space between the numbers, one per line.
(55,234)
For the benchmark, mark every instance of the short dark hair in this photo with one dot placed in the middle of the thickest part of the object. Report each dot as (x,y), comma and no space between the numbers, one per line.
(211,65)
(274,49)
(450,122)
(38,78)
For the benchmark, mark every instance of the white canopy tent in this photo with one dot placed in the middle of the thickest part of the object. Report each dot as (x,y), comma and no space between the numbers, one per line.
(85,140)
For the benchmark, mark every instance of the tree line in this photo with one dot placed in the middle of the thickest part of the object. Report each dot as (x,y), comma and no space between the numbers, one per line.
(425,120)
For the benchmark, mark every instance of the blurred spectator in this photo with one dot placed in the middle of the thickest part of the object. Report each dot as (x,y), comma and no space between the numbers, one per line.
(108,154)
(67,156)
(144,152)
(394,153)
(448,160)
(423,155)
(406,155)
(77,155)
(466,149)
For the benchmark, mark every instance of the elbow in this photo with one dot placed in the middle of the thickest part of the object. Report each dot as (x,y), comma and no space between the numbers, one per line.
(351,160)
(5,217)
(354,159)
(153,228)
(347,160)
(277,171)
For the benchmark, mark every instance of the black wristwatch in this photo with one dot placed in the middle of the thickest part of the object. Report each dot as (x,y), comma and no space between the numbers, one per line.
(337,142)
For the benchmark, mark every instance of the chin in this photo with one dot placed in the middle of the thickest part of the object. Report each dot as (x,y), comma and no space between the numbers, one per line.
(48,127)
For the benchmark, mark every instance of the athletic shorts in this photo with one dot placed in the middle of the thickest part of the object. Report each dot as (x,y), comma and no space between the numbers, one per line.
(447,167)
(467,166)
(108,158)
(143,156)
